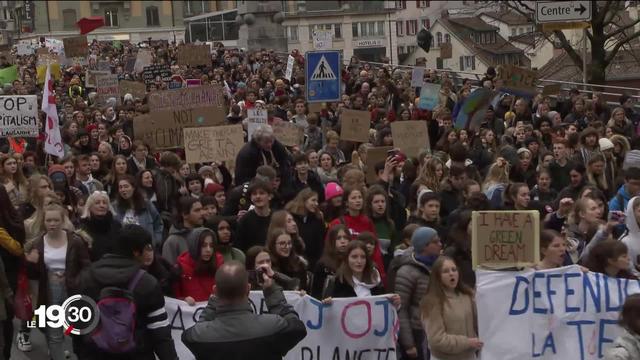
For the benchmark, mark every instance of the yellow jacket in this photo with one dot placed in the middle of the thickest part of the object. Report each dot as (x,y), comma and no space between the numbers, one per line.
(9,243)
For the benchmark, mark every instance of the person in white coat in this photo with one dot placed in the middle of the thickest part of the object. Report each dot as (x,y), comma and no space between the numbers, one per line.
(627,345)
(632,237)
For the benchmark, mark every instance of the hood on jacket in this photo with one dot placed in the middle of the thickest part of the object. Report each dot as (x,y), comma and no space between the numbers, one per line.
(114,269)
(630,219)
(180,231)
(195,239)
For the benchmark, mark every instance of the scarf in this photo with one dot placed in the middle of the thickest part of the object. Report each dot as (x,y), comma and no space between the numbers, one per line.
(427,260)
(363,289)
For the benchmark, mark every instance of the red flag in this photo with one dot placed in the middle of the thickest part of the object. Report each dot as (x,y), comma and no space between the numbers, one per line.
(88,24)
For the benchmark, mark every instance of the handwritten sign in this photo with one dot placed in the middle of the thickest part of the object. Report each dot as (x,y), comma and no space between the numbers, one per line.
(517,80)
(135,88)
(355,125)
(374,156)
(163,129)
(213,143)
(503,239)
(76,46)
(107,87)
(410,136)
(553,89)
(351,328)
(153,73)
(556,314)
(144,58)
(24,49)
(429,96)
(90,80)
(290,61)
(255,118)
(417,76)
(288,133)
(194,55)
(187,98)
(19,116)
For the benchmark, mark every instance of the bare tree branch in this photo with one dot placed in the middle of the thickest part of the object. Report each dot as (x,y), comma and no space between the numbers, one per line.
(621,43)
(600,13)
(622,29)
(567,47)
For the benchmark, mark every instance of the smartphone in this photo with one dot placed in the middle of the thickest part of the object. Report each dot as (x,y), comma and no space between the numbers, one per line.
(255,276)
(392,152)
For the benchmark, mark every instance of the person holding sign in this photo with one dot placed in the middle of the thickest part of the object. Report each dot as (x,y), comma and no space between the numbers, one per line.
(449,313)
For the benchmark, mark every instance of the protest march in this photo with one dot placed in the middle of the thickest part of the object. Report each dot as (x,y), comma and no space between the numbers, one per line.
(170,200)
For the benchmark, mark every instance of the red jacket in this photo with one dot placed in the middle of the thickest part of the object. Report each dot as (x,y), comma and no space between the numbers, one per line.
(197,286)
(360,224)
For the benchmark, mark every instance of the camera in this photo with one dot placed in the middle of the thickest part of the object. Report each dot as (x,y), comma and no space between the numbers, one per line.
(255,276)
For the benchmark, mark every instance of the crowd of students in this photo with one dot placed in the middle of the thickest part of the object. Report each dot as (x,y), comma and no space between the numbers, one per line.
(306,215)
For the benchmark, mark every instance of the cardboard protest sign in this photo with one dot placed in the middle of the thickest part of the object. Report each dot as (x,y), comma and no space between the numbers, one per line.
(374,156)
(107,87)
(410,136)
(90,79)
(144,58)
(429,96)
(556,314)
(42,51)
(19,116)
(315,107)
(516,80)
(76,46)
(255,118)
(10,58)
(355,125)
(352,326)
(194,55)
(24,49)
(187,98)
(163,129)
(553,89)
(289,134)
(153,73)
(503,239)
(289,72)
(135,88)
(213,143)
(417,76)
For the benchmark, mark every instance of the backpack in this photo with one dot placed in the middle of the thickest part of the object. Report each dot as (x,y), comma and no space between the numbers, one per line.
(116,330)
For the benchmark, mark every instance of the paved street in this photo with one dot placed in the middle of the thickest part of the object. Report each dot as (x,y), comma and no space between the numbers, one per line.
(39,346)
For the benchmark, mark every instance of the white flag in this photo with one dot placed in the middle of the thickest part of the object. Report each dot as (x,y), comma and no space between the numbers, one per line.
(53,139)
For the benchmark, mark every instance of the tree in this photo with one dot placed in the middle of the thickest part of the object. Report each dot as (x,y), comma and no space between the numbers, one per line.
(609,33)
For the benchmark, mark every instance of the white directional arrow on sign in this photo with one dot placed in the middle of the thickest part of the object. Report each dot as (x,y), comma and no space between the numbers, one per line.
(563,11)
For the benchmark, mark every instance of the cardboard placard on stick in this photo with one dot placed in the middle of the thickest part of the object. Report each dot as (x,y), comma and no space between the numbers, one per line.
(90,80)
(194,55)
(553,89)
(163,129)
(143,58)
(107,87)
(288,133)
(315,107)
(355,125)
(76,46)
(19,116)
(505,239)
(516,80)
(410,136)
(255,118)
(135,88)
(187,98)
(213,143)
(374,156)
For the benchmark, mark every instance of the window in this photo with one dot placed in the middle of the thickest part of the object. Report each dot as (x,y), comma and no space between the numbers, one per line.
(412,27)
(380,31)
(401,4)
(111,17)
(447,38)
(411,48)
(521,31)
(354,30)
(514,31)
(337,31)
(439,36)
(69,19)
(195,7)
(152,16)
(399,28)
(426,23)
(335,28)
(422,4)
(467,63)
(292,33)
(372,29)
(401,50)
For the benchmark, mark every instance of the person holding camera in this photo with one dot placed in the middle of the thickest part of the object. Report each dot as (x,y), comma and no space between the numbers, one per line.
(229,329)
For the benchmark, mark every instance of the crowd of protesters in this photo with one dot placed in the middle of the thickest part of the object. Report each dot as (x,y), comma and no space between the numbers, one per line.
(305,215)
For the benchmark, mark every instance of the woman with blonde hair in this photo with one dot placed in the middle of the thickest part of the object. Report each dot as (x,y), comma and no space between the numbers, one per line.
(37,187)
(32,223)
(305,210)
(13,180)
(619,123)
(496,180)
(431,175)
(449,314)
(98,227)
(621,147)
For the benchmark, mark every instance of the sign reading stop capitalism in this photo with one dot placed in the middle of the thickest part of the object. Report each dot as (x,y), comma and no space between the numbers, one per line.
(19,116)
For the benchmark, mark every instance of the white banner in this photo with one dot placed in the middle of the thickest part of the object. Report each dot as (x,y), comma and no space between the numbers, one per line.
(322,39)
(350,328)
(19,116)
(554,314)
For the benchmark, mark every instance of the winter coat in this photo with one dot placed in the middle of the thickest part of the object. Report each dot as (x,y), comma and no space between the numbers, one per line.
(252,230)
(99,232)
(411,282)
(198,286)
(342,289)
(148,218)
(312,231)
(235,332)
(153,331)
(632,239)
(77,258)
(250,157)
(175,244)
(166,191)
(625,347)
(449,328)
(133,169)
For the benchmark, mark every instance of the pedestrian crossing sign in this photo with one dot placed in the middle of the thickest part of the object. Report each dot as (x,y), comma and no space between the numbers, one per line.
(323,69)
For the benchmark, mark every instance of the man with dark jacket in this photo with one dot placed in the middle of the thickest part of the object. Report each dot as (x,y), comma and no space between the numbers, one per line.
(228,329)
(263,149)
(302,178)
(410,281)
(167,186)
(117,269)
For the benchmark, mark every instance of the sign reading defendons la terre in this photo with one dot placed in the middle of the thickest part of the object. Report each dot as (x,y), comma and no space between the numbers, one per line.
(504,239)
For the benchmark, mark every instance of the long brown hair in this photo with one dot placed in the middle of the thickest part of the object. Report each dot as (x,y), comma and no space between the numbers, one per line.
(331,258)
(435,297)
(289,265)
(344,272)
(297,205)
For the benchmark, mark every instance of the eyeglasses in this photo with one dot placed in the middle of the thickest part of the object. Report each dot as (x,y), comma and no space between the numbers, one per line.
(284,244)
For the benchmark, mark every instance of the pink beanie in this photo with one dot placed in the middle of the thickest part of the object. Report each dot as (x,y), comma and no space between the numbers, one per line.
(332,190)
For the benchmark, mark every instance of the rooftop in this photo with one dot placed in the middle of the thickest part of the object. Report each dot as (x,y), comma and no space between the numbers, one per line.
(508,17)
(473,23)
(625,66)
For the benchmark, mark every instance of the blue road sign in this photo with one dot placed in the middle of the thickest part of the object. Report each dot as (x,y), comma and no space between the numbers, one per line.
(323,72)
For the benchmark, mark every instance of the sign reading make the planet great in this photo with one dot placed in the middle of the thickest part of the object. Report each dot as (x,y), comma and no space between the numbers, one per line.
(503,239)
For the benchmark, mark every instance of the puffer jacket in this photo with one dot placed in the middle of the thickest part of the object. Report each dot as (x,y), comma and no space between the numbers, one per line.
(625,347)
(197,286)
(411,282)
